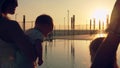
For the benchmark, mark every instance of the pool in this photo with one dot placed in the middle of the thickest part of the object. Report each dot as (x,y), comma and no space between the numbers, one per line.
(67,54)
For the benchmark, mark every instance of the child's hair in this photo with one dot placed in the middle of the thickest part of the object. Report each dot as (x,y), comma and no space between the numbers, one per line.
(94,45)
(44,19)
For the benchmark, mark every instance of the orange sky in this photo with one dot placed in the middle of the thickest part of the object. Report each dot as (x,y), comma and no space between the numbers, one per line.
(83,10)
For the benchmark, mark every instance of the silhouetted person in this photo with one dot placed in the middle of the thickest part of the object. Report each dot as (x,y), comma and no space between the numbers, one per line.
(105,55)
(94,46)
(43,26)
(11,33)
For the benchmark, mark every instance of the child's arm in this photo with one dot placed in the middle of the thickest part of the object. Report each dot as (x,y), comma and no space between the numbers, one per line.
(38,43)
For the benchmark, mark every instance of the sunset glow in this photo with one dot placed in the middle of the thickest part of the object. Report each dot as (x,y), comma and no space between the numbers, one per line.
(100,15)
(84,10)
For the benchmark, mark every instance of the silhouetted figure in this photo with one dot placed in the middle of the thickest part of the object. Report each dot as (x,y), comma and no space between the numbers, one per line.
(94,46)
(43,26)
(105,55)
(11,33)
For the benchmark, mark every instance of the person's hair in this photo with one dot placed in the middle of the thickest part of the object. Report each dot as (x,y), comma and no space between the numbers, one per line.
(5,3)
(44,19)
(1,3)
(94,45)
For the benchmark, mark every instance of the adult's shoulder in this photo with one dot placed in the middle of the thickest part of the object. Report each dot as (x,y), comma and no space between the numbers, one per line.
(6,24)
(13,22)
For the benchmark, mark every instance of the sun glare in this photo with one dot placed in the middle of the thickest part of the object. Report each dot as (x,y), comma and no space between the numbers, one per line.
(100,14)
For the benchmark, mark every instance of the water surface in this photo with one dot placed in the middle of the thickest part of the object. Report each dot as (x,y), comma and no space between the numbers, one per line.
(66,54)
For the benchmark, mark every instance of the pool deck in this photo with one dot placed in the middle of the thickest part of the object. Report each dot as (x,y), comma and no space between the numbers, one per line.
(76,37)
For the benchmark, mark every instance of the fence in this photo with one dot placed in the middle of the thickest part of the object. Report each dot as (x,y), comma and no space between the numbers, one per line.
(30,24)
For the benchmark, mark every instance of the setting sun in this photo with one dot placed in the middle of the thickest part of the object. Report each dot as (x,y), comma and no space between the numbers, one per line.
(100,14)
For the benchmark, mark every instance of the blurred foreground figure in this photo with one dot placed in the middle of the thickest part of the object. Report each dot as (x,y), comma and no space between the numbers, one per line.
(106,53)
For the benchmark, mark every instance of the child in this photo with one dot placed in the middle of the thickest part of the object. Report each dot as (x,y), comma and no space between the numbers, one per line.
(43,26)
(94,46)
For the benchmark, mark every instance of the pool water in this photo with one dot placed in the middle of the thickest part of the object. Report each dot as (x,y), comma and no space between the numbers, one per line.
(67,54)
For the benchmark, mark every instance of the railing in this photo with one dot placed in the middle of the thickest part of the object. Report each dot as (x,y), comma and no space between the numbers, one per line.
(30,24)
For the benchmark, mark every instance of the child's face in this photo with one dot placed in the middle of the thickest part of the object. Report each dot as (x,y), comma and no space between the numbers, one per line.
(45,29)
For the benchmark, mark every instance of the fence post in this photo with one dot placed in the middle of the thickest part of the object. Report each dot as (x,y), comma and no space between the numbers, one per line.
(23,22)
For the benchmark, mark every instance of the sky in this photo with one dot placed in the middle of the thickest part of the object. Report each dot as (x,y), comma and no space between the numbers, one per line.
(84,10)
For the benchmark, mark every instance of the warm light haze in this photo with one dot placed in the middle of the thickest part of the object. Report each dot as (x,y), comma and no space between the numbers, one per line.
(100,14)
(84,10)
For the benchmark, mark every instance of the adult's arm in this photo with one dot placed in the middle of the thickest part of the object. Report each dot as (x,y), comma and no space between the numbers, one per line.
(22,41)
(105,56)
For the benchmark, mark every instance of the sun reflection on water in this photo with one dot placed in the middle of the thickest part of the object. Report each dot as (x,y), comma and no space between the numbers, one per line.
(100,35)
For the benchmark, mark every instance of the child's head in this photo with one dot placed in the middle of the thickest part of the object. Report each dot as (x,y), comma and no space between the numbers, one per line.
(44,23)
(94,45)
